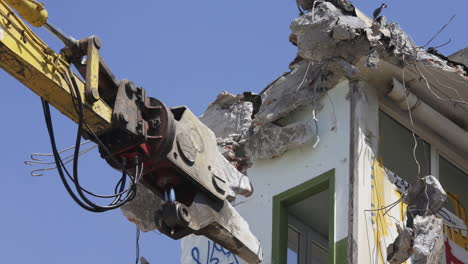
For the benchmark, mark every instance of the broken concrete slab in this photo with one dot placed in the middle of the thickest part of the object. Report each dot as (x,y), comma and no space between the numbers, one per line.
(423,235)
(323,33)
(312,32)
(230,118)
(344,32)
(352,24)
(425,197)
(263,140)
(231,148)
(335,29)
(228,114)
(428,240)
(424,242)
(402,248)
(290,92)
(271,140)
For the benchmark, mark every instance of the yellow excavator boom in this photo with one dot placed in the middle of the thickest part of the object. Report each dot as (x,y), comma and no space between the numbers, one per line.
(32,62)
(31,11)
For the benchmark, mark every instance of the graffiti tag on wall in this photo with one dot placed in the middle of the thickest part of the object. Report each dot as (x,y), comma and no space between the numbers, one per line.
(213,254)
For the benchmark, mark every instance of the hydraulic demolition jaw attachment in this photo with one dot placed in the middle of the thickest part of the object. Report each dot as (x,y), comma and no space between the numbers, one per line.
(184,168)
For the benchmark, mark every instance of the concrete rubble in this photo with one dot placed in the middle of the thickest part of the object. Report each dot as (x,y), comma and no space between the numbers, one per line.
(289,93)
(332,39)
(271,140)
(402,248)
(428,239)
(230,118)
(335,29)
(423,237)
(425,197)
(233,115)
(253,135)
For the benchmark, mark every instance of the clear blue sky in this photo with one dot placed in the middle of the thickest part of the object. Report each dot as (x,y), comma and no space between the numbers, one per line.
(182,52)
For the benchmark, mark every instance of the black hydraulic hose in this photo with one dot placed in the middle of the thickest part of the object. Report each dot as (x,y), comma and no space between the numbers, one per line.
(84,205)
(84,202)
(117,202)
(46,109)
(116,192)
(122,180)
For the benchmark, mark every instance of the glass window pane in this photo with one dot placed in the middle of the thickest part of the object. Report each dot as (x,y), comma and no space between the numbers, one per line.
(292,257)
(293,246)
(455,183)
(396,149)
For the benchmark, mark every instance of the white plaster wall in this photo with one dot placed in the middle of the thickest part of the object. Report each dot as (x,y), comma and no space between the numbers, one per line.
(365,136)
(271,177)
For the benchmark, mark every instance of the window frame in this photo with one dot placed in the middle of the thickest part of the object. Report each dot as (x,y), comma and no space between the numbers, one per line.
(307,236)
(337,250)
(438,145)
(434,143)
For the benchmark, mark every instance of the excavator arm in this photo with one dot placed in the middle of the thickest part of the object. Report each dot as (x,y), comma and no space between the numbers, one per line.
(29,60)
(176,155)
